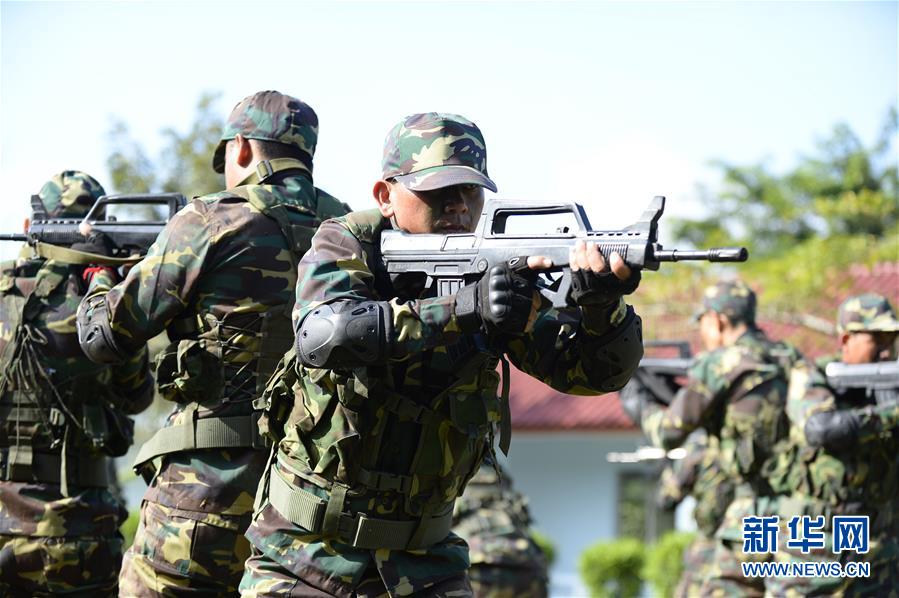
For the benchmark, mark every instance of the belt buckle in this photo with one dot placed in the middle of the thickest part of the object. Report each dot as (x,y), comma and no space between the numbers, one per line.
(348,527)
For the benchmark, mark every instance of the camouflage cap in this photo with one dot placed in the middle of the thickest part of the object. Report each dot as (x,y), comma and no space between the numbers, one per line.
(271,116)
(435,150)
(866,313)
(70,194)
(733,298)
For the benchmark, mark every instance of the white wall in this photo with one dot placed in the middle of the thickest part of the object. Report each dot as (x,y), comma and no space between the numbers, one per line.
(572,490)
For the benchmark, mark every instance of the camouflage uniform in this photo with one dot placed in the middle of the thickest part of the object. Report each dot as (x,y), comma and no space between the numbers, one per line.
(374,456)
(737,394)
(58,519)
(494,519)
(855,476)
(698,474)
(219,280)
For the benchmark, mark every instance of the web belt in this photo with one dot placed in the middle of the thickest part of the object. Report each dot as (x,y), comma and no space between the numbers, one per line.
(200,433)
(360,531)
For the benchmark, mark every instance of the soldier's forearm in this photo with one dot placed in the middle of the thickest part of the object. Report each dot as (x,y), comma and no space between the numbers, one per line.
(353,333)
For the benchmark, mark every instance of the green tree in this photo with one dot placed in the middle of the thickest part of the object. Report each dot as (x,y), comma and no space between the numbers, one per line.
(846,189)
(803,227)
(184,164)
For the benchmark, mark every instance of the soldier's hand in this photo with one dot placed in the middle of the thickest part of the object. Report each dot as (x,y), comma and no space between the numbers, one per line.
(97,243)
(504,300)
(593,281)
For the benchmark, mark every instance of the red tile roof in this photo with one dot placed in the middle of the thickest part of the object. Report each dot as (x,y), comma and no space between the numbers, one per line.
(537,407)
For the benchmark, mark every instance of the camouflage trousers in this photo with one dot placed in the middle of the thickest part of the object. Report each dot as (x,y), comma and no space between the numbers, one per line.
(699,558)
(883,582)
(181,552)
(725,573)
(42,566)
(497,581)
(266,579)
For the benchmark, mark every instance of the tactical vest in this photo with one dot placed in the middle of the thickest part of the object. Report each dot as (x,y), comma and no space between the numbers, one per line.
(343,418)
(748,439)
(815,481)
(191,371)
(56,424)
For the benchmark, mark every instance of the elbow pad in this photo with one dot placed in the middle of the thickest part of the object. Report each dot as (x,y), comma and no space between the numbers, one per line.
(832,429)
(337,335)
(95,333)
(623,346)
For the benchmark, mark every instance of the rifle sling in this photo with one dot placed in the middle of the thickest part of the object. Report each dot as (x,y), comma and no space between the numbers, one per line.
(81,258)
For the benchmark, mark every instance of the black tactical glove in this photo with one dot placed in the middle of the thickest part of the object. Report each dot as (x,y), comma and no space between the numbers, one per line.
(501,301)
(604,289)
(97,243)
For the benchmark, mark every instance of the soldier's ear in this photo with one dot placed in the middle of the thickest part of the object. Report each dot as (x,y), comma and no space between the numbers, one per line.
(381,192)
(724,322)
(243,151)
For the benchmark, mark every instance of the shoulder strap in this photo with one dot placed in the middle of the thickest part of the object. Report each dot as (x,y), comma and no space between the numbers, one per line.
(266,168)
(298,236)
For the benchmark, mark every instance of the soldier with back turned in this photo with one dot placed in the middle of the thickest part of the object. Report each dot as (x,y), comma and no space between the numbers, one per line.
(220,281)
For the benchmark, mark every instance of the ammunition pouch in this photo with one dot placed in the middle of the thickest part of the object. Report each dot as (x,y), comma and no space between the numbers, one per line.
(190,371)
(107,429)
(277,399)
(22,464)
(327,517)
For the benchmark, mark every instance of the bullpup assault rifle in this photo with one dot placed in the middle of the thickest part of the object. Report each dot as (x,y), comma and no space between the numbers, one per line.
(52,237)
(879,380)
(450,261)
(659,374)
(656,377)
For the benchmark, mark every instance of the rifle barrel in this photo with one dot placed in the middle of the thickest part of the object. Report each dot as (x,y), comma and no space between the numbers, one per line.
(13,237)
(715,254)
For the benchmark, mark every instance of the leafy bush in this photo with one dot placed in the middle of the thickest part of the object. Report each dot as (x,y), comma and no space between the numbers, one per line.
(613,568)
(546,545)
(665,562)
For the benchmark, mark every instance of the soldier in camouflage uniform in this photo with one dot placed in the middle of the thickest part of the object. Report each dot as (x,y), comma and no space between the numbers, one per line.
(493,518)
(840,458)
(393,395)
(61,418)
(698,474)
(736,391)
(219,280)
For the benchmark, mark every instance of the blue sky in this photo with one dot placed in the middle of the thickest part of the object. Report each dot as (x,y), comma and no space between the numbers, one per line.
(603,103)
